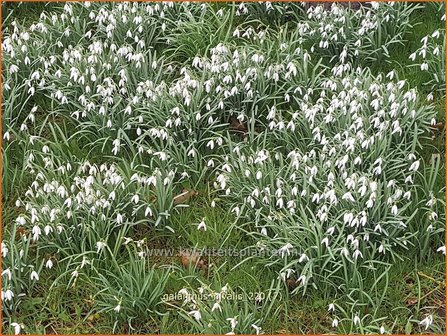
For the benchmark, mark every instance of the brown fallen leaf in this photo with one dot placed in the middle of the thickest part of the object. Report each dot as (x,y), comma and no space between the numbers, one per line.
(438,126)
(411,302)
(21,231)
(192,258)
(291,284)
(237,127)
(184,196)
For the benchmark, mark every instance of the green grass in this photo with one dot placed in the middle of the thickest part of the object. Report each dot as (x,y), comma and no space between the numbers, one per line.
(26,12)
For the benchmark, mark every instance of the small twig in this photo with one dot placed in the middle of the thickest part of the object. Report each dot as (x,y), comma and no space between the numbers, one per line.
(432,279)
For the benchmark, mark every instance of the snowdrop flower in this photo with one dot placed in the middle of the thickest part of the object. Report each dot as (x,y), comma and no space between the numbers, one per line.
(13,68)
(4,250)
(285,250)
(414,166)
(427,322)
(382,330)
(216,306)
(394,209)
(325,241)
(118,307)
(348,217)
(17,327)
(99,246)
(36,232)
(331,307)
(356,320)
(233,322)
(302,279)
(356,254)
(441,249)
(348,197)
(148,212)
(377,170)
(7,272)
(258,175)
(390,75)
(196,314)
(407,195)
(49,264)
(258,329)
(116,146)
(6,136)
(112,195)
(191,153)
(8,295)
(201,226)
(34,276)
(183,291)
(303,257)
(136,198)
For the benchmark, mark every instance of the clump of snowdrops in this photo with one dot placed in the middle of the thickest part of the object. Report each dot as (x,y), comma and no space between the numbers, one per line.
(430,58)
(326,193)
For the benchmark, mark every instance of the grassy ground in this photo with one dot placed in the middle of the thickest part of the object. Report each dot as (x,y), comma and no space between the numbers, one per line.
(414,285)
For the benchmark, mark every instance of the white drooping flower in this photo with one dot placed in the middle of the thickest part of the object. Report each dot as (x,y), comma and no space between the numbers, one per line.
(49,264)
(34,276)
(414,166)
(233,322)
(216,306)
(285,250)
(258,329)
(100,246)
(196,314)
(135,198)
(427,322)
(17,327)
(7,295)
(202,225)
